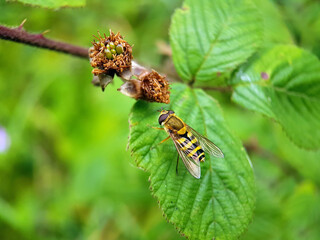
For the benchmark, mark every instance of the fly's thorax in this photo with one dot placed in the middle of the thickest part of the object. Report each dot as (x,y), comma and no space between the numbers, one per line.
(174,123)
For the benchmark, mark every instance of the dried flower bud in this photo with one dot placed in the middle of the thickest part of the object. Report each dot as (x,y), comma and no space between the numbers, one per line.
(151,87)
(110,55)
(155,87)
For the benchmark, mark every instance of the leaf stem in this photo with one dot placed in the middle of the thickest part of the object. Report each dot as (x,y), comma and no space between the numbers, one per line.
(18,34)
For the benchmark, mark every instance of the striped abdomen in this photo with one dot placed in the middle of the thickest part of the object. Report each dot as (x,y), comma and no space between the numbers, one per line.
(189,144)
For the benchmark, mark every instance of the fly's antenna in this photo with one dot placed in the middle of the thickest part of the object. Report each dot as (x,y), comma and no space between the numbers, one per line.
(161,109)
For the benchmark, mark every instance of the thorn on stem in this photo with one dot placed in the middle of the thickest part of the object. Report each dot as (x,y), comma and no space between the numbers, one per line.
(45,32)
(21,24)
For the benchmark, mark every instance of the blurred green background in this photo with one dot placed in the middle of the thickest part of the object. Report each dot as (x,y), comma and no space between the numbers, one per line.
(65,172)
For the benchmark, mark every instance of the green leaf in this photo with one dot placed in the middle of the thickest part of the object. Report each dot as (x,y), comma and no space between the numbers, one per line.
(209,37)
(218,205)
(54,3)
(283,83)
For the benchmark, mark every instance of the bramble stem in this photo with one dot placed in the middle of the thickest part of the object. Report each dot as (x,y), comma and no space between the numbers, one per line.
(38,40)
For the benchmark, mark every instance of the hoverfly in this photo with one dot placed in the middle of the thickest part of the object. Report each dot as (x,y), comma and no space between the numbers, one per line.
(190,144)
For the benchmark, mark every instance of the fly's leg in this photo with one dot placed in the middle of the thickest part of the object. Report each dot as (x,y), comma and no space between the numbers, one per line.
(157,128)
(164,140)
(177,165)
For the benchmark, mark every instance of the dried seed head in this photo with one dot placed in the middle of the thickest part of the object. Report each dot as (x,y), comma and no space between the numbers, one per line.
(151,87)
(155,88)
(110,55)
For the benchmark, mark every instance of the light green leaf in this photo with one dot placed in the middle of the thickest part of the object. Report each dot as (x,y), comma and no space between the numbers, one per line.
(218,205)
(283,83)
(208,37)
(54,3)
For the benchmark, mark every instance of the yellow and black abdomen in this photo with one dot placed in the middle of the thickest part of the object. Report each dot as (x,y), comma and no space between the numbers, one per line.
(189,144)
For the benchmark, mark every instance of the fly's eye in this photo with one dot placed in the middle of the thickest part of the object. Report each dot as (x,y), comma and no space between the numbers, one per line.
(162,118)
(170,112)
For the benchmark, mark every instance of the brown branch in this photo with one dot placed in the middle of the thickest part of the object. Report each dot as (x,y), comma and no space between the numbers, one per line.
(38,40)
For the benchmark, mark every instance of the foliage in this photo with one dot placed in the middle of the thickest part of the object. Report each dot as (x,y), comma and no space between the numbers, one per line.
(209,37)
(66,174)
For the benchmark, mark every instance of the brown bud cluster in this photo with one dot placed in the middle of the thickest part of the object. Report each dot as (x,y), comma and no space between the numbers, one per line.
(150,86)
(155,88)
(110,55)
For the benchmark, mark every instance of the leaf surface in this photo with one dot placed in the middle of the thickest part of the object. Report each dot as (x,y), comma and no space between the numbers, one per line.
(209,37)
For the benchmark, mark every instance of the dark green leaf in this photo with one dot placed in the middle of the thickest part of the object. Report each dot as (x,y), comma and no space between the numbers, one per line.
(219,204)
(208,37)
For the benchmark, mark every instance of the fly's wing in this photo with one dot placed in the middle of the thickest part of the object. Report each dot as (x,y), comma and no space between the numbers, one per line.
(206,144)
(191,165)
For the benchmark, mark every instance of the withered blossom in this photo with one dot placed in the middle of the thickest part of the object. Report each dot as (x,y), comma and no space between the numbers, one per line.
(150,86)
(110,55)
